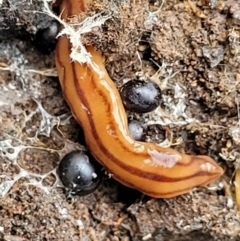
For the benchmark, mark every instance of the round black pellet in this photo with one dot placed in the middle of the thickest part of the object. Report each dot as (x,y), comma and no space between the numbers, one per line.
(45,39)
(140,96)
(77,174)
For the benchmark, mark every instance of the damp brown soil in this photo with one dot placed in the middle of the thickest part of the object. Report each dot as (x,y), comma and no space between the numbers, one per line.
(191,49)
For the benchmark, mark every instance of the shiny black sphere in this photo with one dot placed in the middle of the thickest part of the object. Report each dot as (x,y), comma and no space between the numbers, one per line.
(140,96)
(77,174)
(45,39)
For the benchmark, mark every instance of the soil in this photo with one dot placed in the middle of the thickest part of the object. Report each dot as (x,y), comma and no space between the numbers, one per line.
(191,49)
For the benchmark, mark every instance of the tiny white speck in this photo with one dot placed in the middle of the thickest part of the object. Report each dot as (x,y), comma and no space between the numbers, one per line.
(230,203)
(79,223)
(147,161)
(86,109)
(94,175)
(221,185)
(208,167)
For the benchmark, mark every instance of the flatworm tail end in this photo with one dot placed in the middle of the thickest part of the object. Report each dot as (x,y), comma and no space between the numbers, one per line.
(208,167)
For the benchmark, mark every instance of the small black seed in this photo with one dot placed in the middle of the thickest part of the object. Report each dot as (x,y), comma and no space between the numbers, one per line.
(45,39)
(77,174)
(140,96)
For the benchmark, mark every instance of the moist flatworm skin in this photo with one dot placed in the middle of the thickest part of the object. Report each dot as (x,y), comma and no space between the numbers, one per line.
(96,104)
